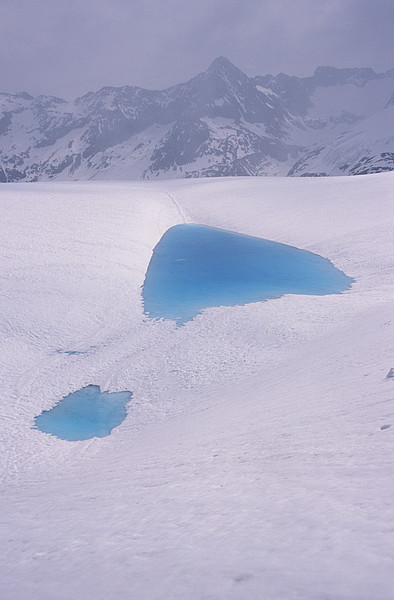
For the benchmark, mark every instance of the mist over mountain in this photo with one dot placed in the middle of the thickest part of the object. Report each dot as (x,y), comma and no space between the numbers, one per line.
(219,123)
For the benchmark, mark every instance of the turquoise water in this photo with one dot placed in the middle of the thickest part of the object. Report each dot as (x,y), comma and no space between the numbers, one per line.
(194,267)
(84,414)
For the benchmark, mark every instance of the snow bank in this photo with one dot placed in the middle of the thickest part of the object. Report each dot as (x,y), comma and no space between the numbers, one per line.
(255,461)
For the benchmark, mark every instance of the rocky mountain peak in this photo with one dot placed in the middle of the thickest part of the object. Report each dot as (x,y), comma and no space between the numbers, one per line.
(223,65)
(221,69)
(220,122)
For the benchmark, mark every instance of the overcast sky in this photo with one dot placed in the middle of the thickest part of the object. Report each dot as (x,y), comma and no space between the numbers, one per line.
(69,47)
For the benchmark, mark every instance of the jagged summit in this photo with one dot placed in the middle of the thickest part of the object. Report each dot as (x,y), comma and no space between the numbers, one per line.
(219,62)
(220,122)
(224,65)
(224,69)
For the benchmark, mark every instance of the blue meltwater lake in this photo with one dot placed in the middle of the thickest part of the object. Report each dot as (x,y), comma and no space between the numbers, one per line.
(84,414)
(195,267)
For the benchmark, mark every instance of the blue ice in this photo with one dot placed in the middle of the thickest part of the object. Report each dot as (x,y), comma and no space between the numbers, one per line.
(84,414)
(194,267)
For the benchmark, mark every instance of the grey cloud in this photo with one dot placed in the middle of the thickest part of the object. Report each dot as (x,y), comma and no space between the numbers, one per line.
(69,47)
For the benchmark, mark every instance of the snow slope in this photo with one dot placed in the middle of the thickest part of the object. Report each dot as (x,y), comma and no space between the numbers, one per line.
(256,460)
(364,148)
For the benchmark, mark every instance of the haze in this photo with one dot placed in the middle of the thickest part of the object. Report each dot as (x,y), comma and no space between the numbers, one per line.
(68,48)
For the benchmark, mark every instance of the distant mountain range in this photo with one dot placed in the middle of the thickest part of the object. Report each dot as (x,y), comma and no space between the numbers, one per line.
(221,122)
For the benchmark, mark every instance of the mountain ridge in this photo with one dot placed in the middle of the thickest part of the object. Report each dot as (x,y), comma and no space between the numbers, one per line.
(220,122)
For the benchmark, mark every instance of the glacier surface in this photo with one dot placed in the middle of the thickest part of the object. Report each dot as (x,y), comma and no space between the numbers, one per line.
(256,459)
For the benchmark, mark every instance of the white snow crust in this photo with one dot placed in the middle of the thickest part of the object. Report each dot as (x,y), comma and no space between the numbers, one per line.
(256,461)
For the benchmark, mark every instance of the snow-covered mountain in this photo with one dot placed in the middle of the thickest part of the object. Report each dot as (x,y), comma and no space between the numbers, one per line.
(219,123)
(367,147)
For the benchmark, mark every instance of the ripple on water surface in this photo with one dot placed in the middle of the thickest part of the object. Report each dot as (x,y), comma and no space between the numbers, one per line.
(194,267)
(84,414)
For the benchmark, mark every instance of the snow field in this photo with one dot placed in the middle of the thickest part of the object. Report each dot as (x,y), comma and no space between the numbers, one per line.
(252,463)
